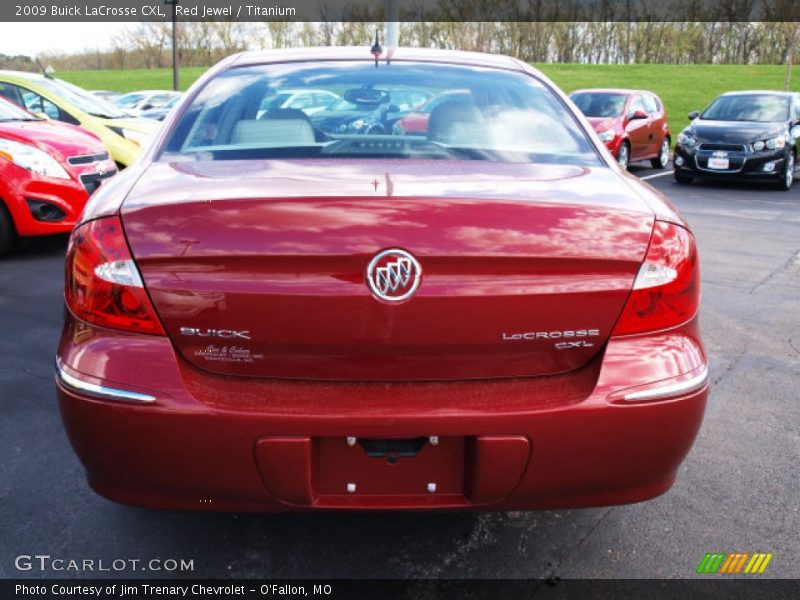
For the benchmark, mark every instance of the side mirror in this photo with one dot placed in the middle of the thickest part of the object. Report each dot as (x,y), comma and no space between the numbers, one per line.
(795,131)
(636,115)
(693,115)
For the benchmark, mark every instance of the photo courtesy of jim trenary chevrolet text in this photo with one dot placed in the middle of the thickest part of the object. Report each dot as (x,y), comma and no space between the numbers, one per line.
(399,299)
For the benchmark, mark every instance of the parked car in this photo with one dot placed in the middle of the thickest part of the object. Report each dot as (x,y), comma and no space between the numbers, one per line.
(368,110)
(632,123)
(416,122)
(309,101)
(750,135)
(47,172)
(58,100)
(490,316)
(108,95)
(135,103)
(158,114)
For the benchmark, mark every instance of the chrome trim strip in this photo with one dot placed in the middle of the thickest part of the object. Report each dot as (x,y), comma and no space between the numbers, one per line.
(99,390)
(741,147)
(674,389)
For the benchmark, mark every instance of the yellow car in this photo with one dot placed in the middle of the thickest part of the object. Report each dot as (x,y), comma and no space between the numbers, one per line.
(123,135)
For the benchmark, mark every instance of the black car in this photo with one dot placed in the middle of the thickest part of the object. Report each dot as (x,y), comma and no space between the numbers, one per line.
(751,135)
(368,111)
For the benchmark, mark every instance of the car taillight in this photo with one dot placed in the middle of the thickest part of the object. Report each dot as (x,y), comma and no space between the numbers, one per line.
(666,291)
(103,285)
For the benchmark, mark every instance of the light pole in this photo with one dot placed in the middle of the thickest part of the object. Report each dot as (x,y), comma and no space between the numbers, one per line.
(175,77)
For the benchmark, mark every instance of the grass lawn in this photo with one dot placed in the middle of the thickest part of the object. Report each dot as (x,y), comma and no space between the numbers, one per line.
(683,88)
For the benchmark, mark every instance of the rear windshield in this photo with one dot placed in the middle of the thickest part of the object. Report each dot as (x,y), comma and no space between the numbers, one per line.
(479,114)
(763,108)
(599,104)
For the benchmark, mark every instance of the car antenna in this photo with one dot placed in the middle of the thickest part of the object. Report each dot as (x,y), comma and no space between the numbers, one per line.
(47,72)
(376,49)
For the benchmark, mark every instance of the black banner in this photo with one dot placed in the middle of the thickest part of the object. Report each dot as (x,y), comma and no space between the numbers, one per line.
(715,587)
(402,10)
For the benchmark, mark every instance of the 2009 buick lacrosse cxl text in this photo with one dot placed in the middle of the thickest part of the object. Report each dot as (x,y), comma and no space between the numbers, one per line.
(265,316)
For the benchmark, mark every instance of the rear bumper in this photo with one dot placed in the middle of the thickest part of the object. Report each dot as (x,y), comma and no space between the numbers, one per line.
(613,432)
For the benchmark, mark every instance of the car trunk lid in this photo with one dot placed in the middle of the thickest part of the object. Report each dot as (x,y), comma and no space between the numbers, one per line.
(258,268)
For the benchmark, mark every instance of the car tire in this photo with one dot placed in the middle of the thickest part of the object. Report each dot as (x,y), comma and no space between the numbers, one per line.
(624,155)
(661,161)
(683,178)
(8,233)
(787,176)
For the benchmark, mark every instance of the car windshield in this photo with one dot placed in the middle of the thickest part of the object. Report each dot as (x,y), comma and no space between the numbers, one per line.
(762,108)
(599,104)
(492,114)
(11,112)
(85,101)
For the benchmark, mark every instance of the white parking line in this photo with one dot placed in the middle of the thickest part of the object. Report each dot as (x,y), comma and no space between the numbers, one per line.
(664,174)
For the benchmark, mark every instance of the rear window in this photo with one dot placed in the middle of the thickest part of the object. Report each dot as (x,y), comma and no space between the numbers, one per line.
(600,104)
(479,114)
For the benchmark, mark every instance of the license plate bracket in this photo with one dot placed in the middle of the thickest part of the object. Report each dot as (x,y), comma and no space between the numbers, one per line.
(719,164)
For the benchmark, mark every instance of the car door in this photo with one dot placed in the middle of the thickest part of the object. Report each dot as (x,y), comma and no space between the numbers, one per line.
(38,104)
(657,126)
(638,129)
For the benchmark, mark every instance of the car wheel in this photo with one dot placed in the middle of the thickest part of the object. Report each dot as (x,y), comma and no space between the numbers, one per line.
(787,177)
(624,155)
(683,177)
(660,161)
(8,234)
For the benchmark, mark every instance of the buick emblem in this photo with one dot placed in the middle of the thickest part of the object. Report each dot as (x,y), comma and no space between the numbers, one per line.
(393,275)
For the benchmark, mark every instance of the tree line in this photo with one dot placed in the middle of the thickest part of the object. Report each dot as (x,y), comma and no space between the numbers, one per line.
(148,45)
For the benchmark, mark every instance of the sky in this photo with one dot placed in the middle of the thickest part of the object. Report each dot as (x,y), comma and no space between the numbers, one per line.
(38,38)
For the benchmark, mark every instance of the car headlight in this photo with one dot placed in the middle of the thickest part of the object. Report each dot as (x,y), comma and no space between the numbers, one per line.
(31,158)
(358,124)
(606,135)
(686,139)
(775,143)
(137,137)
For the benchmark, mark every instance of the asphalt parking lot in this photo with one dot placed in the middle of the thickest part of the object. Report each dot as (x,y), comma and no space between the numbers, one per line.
(737,491)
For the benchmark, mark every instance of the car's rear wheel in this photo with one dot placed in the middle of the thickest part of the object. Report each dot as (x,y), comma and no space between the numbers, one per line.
(660,161)
(624,155)
(683,177)
(8,234)
(787,177)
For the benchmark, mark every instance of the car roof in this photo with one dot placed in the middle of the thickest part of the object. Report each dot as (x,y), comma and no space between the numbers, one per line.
(613,91)
(21,75)
(151,92)
(760,92)
(329,53)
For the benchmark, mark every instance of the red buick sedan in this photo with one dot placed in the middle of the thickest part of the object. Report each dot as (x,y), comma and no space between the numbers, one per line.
(48,170)
(262,316)
(632,123)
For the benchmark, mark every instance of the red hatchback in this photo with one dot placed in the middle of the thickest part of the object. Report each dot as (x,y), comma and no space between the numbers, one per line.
(632,123)
(265,317)
(48,170)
